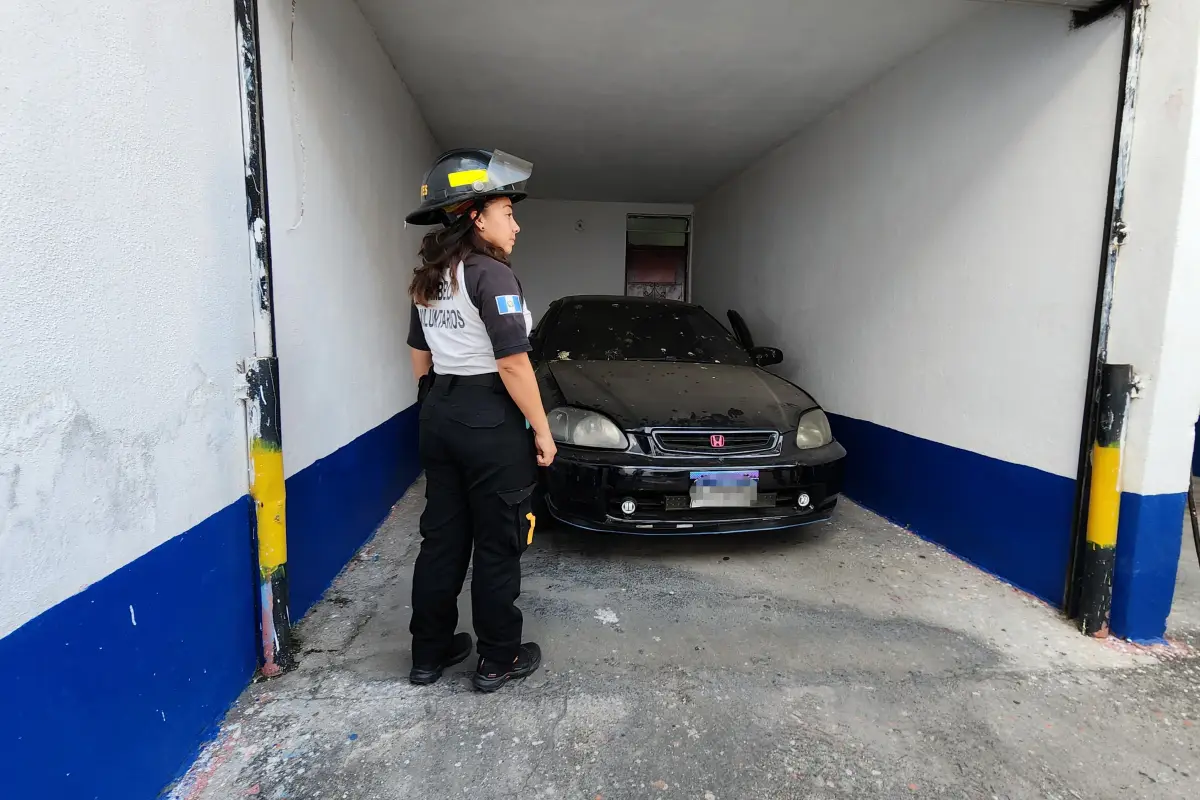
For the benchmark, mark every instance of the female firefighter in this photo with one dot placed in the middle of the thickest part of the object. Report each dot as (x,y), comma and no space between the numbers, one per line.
(469,341)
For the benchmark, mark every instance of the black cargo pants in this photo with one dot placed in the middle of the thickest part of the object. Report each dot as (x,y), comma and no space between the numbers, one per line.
(481,471)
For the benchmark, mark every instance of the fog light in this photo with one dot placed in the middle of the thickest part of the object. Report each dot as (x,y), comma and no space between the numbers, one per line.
(628,506)
(803,500)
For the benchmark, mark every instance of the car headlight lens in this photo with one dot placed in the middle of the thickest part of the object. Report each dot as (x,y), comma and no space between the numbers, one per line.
(813,430)
(582,428)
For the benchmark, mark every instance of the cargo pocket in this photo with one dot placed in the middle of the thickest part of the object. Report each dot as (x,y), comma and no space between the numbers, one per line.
(475,414)
(519,503)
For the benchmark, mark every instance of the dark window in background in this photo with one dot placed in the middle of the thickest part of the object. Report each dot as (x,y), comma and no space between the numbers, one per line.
(656,256)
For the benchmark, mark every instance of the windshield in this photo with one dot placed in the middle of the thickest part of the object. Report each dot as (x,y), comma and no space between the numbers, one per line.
(640,331)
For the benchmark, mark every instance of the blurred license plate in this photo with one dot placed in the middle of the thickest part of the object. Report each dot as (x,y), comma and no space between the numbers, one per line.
(724,489)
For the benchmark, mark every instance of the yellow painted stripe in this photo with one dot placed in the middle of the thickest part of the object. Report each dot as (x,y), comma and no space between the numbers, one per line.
(267,489)
(467,178)
(1104,504)
(532,524)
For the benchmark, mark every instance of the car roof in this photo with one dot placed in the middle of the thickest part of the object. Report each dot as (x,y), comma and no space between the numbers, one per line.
(620,298)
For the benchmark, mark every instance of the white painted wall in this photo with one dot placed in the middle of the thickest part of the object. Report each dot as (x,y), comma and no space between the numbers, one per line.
(553,259)
(1155,322)
(927,255)
(346,151)
(125,302)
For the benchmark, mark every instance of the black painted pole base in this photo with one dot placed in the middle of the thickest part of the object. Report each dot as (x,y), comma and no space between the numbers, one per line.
(278,655)
(1095,602)
(1104,501)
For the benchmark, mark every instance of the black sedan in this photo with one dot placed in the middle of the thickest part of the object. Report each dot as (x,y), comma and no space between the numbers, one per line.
(667,423)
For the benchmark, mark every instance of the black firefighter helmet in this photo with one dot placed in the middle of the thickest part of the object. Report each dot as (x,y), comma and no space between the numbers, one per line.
(460,179)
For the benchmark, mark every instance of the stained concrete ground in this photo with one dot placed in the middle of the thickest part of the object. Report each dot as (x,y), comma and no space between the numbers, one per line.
(848,660)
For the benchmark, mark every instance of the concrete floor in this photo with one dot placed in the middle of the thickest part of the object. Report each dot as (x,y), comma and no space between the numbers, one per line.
(850,660)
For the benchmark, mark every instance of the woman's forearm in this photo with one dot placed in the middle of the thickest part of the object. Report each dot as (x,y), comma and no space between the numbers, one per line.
(422,362)
(521,383)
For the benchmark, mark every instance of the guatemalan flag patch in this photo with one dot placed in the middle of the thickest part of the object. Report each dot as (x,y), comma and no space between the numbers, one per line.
(508,304)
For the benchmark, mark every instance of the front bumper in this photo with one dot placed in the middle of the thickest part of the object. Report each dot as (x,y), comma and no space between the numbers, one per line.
(585,489)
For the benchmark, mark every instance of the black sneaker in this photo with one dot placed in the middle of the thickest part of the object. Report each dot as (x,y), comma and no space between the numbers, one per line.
(460,648)
(491,675)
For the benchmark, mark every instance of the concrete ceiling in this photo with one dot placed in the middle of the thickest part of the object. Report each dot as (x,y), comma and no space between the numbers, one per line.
(643,100)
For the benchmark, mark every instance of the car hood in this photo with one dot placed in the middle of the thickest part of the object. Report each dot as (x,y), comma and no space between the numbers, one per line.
(645,394)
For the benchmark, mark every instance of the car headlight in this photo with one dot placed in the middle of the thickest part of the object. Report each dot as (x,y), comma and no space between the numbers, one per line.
(582,428)
(813,430)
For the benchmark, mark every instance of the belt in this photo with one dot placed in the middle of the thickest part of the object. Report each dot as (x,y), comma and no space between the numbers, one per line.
(490,379)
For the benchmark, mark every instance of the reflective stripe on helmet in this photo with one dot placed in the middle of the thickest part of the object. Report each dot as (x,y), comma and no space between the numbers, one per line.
(466,178)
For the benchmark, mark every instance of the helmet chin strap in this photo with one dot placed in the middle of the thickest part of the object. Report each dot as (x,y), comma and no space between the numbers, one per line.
(457,224)
(456,213)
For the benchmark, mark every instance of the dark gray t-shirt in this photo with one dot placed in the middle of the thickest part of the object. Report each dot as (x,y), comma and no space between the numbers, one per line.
(468,327)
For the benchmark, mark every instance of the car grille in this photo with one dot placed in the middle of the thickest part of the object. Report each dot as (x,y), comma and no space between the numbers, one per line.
(700,443)
(682,502)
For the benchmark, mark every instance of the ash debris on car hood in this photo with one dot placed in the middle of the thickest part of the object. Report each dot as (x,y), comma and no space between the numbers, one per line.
(640,394)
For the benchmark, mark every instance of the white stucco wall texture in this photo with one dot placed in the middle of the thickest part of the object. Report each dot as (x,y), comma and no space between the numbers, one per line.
(126,302)
(554,258)
(346,151)
(927,254)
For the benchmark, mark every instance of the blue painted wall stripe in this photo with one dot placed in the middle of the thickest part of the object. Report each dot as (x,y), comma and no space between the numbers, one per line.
(1149,542)
(337,503)
(1011,520)
(98,708)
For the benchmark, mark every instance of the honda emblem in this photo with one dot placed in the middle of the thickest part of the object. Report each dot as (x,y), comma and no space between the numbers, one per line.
(717,440)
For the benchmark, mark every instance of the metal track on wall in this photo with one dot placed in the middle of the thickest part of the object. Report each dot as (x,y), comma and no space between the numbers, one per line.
(1114,238)
(264,431)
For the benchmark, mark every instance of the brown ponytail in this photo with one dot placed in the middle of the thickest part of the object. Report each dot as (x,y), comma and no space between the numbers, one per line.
(445,248)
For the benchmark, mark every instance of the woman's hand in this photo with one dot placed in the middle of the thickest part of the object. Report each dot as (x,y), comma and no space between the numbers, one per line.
(546,448)
(522,386)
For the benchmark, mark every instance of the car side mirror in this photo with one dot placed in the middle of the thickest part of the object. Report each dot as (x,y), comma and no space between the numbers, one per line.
(766,356)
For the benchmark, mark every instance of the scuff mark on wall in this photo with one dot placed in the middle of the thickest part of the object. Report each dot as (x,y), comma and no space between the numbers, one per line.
(81,500)
(54,445)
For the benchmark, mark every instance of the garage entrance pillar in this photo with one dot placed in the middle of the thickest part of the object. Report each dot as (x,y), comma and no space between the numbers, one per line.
(1156,320)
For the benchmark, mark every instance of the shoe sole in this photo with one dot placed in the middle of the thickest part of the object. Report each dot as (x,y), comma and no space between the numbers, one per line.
(489,685)
(425,678)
